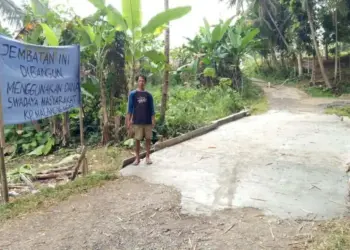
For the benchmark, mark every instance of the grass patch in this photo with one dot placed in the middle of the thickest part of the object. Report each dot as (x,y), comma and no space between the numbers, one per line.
(190,108)
(335,235)
(340,111)
(259,107)
(50,196)
(275,75)
(319,92)
(255,99)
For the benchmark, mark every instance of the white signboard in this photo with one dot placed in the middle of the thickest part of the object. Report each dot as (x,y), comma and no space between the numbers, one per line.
(37,81)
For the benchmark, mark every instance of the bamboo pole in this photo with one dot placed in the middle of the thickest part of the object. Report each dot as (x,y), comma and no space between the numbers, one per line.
(81,127)
(81,159)
(84,162)
(4,187)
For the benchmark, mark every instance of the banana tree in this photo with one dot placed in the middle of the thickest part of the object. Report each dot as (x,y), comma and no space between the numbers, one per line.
(205,49)
(98,39)
(240,40)
(43,26)
(130,21)
(211,41)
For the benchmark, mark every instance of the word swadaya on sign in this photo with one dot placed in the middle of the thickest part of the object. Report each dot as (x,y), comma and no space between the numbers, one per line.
(37,81)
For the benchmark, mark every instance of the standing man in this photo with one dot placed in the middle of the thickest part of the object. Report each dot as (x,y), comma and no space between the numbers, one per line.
(141,117)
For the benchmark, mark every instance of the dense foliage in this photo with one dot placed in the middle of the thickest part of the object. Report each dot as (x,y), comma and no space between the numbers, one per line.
(269,39)
(206,82)
(302,39)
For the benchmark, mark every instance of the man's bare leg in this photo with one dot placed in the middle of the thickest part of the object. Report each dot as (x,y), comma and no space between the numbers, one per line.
(148,151)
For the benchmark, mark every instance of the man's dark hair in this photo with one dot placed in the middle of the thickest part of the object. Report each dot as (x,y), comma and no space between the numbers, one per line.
(143,76)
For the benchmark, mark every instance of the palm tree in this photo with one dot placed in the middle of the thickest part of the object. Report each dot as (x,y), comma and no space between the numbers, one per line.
(266,8)
(4,31)
(166,71)
(11,12)
(308,6)
(337,7)
(269,7)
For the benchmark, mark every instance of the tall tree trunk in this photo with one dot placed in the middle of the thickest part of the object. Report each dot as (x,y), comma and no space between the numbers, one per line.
(276,26)
(236,78)
(105,122)
(166,70)
(313,72)
(105,127)
(313,35)
(300,64)
(274,59)
(131,82)
(283,63)
(336,48)
(340,69)
(256,62)
(116,57)
(267,60)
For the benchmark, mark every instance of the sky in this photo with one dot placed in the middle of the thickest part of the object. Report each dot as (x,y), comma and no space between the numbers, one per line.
(187,26)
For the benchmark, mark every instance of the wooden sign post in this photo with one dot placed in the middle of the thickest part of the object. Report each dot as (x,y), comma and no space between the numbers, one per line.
(81,126)
(84,160)
(4,187)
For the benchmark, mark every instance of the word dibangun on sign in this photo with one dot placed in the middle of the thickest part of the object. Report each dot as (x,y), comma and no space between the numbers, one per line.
(37,81)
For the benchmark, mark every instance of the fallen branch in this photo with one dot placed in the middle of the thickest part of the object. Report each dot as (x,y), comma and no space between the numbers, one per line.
(314,186)
(284,82)
(136,213)
(81,158)
(53,175)
(190,243)
(27,181)
(257,199)
(17,186)
(228,229)
(273,236)
(56,170)
(296,243)
(301,228)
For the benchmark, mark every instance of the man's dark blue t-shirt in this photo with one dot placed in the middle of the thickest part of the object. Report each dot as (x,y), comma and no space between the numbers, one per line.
(141,107)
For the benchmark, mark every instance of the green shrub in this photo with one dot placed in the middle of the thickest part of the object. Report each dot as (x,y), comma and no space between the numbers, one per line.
(191,108)
(319,92)
(268,73)
(341,111)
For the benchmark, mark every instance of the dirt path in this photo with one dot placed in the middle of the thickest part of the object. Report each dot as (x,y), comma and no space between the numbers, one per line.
(207,205)
(292,99)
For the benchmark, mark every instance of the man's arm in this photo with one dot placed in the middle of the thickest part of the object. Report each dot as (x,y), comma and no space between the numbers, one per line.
(130,109)
(152,110)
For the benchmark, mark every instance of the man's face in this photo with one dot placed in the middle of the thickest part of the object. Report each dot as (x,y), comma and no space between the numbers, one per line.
(141,82)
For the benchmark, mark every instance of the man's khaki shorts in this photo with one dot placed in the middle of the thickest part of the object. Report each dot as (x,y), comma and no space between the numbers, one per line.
(143,131)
